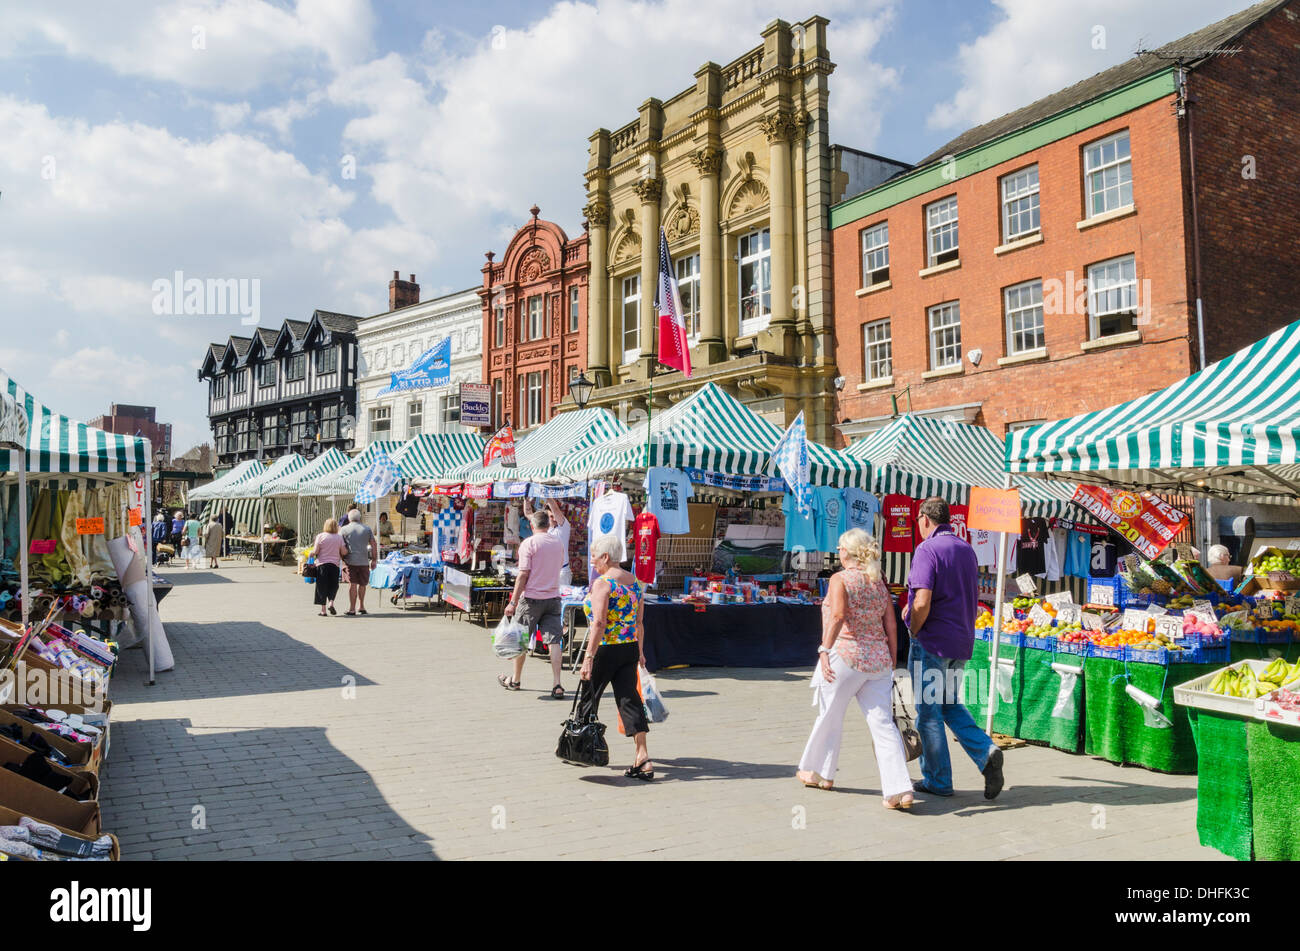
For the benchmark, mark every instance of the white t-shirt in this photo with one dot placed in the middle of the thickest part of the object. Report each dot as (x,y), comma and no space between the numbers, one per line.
(609,516)
(985,544)
(511,534)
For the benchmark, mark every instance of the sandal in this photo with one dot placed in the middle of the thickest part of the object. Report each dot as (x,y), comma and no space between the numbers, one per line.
(640,772)
(349,613)
(332,611)
(901,801)
(815,781)
(557,692)
(508,684)
(363,611)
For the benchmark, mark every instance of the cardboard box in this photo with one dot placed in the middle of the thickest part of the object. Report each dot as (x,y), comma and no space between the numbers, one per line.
(32,799)
(10,817)
(87,756)
(1258,586)
(82,783)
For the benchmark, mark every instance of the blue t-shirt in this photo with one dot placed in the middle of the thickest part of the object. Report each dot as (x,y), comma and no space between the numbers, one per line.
(666,493)
(1078,554)
(801,532)
(861,508)
(834,517)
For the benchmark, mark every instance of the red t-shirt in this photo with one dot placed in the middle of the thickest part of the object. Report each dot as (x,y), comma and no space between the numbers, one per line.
(645,532)
(899,520)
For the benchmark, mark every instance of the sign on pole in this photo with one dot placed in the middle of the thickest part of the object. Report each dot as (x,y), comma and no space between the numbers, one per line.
(994,510)
(475,404)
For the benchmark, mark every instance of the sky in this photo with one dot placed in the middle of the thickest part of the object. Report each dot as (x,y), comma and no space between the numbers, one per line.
(309,148)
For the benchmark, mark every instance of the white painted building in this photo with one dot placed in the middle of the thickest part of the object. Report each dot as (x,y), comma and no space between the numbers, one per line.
(392,341)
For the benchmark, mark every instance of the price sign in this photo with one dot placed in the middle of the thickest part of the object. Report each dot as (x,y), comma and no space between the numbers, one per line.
(1205,607)
(1293,545)
(1026,584)
(1155,610)
(1060,598)
(1038,616)
(1206,616)
(1169,626)
(1101,594)
(1093,622)
(133,517)
(90,526)
(1134,620)
(1293,604)
(43,546)
(1263,609)
(1008,611)
(1069,614)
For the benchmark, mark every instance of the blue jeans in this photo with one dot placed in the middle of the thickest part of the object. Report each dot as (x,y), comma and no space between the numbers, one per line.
(936,686)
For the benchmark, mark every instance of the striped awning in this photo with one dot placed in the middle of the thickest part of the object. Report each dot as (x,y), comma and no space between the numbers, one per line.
(60,444)
(228,485)
(432,456)
(1230,431)
(537,453)
(283,467)
(347,479)
(711,430)
(287,483)
(920,456)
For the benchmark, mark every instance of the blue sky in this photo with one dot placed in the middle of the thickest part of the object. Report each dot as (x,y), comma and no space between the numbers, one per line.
(212,136)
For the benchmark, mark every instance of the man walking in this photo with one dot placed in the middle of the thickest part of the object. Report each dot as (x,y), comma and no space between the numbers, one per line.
(941,606)
(361,559)
(536,597)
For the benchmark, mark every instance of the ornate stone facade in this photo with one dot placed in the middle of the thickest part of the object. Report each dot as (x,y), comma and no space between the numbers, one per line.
(533,308)
(736,170)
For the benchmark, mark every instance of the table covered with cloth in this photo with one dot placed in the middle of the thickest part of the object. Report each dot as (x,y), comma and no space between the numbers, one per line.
(732,635)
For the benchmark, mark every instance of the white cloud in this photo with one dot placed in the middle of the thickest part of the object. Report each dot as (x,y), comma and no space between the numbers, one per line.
(229,115)
(234,45)
(1041,46)
(281,118)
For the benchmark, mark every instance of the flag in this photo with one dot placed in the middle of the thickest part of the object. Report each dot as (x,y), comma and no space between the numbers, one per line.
(378,480)
(791,458)
(500,448)
(431,368)
(673,349)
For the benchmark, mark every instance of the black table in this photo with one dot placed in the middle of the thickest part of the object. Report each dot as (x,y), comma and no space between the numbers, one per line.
(732,635)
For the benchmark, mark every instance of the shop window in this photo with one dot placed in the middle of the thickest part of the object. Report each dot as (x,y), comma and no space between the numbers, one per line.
(1024,310)
(1020,204)
(1108,174)
(945,336)
(688,288)
(941,231)
(755,281)
(631,318)
(1112,297)
(875,255)
(877,350)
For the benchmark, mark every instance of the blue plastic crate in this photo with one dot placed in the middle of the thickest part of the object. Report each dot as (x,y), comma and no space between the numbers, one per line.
(1011,640)
(1040,643)
(1213,654)
(984,634)
(1078,648)
(1110,653)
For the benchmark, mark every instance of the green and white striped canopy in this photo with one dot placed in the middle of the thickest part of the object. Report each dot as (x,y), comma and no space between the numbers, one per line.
(13,423)
(920,457)
(347,479)
(288,482)
(60,444)
(1231,430)
(431,456)
(228,485)
(537,453)
(711,430)
(256,487)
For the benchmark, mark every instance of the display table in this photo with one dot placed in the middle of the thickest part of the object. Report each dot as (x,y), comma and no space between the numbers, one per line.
(1035,688)
(732,635)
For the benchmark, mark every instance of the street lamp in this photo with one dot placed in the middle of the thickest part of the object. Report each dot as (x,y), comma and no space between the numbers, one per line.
(580,389)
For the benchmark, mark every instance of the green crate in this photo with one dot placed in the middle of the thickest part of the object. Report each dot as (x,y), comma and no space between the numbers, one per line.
(1041,687)
(1244,651)
(1273,751)
(1224,817)
(1115,728)
(1006,716)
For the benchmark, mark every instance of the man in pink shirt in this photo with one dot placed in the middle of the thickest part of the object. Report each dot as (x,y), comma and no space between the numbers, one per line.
(537,597)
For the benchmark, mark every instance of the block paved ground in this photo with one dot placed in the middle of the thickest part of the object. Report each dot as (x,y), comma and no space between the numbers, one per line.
(282,735)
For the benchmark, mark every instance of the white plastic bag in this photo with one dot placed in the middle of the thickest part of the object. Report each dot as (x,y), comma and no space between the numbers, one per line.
(655,708)
(507,639)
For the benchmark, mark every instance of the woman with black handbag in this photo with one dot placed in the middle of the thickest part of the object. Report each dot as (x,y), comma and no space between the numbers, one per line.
(856,662)
(614,647)
(327,550)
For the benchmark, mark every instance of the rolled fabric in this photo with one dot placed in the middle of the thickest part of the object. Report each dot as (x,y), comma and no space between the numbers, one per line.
(135,586)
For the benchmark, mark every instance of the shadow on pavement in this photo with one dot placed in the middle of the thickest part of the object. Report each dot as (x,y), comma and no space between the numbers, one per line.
(282,793)
(969,802)
(696,769)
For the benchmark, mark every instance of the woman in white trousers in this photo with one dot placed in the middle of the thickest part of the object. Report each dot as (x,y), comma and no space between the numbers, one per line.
(856,662)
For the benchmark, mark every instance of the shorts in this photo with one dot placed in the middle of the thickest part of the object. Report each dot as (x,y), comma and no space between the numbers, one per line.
(358,574)
(543,616)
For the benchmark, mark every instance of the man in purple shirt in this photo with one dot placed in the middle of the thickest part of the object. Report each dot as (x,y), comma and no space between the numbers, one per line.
(941,605)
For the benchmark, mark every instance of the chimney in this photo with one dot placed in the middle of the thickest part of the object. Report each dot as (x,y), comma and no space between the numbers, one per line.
(402,293)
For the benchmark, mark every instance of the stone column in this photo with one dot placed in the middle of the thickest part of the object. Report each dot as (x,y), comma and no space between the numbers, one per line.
(780,336)
(713,341)
(649,190)
(599,316)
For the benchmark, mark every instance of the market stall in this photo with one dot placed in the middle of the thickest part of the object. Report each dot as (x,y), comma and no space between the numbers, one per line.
(1229,431)
(285,487)
(222,496)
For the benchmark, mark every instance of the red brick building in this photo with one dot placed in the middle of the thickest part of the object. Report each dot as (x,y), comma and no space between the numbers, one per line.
(534,322)
(129,420)
(1046,263)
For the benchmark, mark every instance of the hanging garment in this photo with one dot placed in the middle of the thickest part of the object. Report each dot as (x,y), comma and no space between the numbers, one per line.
(1054,553)
(78,563)
(96,546)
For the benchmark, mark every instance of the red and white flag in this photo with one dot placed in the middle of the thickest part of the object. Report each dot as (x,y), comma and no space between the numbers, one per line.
(674,351)
(500,448)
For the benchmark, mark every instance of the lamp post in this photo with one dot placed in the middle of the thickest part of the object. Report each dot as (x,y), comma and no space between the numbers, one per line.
(581,390)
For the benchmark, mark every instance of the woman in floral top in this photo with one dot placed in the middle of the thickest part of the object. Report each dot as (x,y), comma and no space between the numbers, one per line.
(856,662)
(614,613)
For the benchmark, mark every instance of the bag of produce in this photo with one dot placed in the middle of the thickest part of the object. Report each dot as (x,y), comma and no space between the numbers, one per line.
(1195,577)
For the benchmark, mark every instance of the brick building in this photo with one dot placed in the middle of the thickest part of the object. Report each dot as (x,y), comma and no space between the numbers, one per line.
(1046,263)
(534,304)
(127,420)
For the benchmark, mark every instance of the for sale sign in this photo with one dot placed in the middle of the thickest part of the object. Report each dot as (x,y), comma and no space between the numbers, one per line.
(1148,523)
(475,404)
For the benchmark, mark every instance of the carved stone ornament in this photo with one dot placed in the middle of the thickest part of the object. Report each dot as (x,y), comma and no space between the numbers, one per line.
(750,196)
(649,190)
(778,127)
(629,246)
(707,161)
(534,264)
(685,220)
(596,212)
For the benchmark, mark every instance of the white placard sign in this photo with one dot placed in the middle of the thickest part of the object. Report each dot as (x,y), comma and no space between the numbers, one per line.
(1038,616)
(1060,598)
(1069,614)
(1206,616)
(1026,584)
(1092,622)
(1008,611)
(1169,626)
(1155,610)
(456,577)
(1134,620)
(1101,594)
(1203,608)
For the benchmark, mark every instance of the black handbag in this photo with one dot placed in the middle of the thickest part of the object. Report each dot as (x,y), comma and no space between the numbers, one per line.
(903,720)
(582,739)
(310,570)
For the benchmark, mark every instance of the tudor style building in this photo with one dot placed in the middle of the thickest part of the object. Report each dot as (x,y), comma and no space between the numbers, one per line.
(534,307)
(291,390)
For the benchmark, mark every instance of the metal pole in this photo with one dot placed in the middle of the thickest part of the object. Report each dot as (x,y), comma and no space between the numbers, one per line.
(997,621)
(146,531)
(22,536)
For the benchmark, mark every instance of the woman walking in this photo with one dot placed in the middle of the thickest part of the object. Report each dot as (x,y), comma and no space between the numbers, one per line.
(614,615)
(213,537)
(328,549)
(856,662)
(193,550)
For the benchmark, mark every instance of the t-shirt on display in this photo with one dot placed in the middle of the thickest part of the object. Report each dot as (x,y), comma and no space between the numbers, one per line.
(609,516)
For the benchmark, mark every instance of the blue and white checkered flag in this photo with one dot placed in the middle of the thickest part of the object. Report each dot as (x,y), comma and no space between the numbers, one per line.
(378,480)
(791,458)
